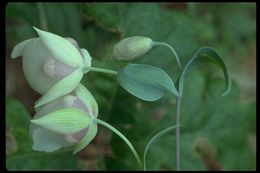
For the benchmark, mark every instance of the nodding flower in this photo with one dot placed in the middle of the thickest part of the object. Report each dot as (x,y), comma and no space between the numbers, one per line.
(53,65)
(66,121)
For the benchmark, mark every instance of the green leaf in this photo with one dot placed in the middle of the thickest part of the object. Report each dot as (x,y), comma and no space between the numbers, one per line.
(61,88)
(23,158)
(40,161)
(206,55)
(145,81)
(154,138)
(91,133)
(64,121)
(17,122)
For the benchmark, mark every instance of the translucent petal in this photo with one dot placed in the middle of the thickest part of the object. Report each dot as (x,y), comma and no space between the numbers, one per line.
(19,48)
(45,140)
(87,98)
(61,88)
(34,57)
(87,139)
(60,48)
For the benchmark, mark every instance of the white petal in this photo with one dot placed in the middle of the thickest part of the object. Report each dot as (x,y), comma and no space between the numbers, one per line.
(45,140)
(19,48)
(34,57)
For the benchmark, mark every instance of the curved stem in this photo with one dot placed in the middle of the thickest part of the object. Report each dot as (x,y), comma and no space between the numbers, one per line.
(178,101)
(154,138)
(101,70)
(172,49)
(121,136)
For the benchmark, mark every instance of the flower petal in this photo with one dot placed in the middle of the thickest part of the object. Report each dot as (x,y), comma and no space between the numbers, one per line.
(45,140)
(34,57)
(60,48)
(87,138)
(19,48)
(64,121)
(61,88)
(86,57)
(87,98)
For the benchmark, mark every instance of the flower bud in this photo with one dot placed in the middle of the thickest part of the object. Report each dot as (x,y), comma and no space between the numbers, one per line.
(132,47)
(64,122)
(48,60)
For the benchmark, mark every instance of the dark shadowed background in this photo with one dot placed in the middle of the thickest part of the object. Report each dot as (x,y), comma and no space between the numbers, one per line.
(217,133)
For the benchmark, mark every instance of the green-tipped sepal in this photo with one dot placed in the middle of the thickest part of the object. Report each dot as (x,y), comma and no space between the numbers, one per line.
(64,121)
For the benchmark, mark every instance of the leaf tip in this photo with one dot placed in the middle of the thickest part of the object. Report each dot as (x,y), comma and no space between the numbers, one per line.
(227,90)
(226,93)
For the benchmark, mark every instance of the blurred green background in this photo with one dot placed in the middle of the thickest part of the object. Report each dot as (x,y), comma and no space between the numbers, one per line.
(217,133)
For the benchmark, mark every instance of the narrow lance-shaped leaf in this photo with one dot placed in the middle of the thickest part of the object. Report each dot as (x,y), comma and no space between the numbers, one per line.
(64,121)
(205,55)
(145,81)
(156,137)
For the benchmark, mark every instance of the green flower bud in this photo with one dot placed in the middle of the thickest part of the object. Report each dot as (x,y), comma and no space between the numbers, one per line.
(52,65)
(132,47)
(65,121)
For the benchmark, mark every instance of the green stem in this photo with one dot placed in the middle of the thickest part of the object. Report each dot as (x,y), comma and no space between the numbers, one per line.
(178,101)
(172,49)
(101,70)
(154,138)
(42,15)
(121,136)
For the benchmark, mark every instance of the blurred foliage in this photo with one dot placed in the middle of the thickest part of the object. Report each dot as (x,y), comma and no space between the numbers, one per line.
(23,158)
(227,123)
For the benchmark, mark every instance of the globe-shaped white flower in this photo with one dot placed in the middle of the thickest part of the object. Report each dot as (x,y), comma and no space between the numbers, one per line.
(52,65)
(66,121)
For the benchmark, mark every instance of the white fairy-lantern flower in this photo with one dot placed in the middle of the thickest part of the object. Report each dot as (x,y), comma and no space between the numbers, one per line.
(53,65)
(66,121)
